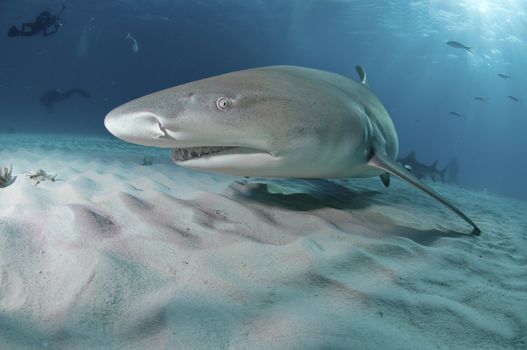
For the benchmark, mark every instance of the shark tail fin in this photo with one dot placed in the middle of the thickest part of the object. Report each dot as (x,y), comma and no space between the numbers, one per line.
(381,161)
(453,169)
(442,173)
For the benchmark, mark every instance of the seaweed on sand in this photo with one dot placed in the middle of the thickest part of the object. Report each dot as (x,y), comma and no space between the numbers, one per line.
(6,176)
(39,175)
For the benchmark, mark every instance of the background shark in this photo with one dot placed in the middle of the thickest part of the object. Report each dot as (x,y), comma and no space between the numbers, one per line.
(421,170)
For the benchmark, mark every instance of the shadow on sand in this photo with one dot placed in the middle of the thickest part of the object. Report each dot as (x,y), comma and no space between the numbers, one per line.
(303,195)
(307,195)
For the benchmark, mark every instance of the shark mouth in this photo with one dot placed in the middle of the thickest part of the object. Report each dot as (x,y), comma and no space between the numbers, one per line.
(184,154)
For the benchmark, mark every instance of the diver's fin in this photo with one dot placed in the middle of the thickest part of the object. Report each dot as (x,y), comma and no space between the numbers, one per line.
(362,74)
(385,178)
(13,31)
(380,161)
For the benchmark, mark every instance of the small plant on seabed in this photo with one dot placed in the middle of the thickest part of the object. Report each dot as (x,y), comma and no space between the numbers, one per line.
(147,160)
(39,175)
(6,176)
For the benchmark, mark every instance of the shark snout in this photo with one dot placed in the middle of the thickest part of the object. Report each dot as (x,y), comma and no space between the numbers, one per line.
(143,128)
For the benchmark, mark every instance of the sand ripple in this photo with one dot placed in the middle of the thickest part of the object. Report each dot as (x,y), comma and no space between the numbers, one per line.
(122,256)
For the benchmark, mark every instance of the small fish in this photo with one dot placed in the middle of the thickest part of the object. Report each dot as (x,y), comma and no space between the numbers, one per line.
(457,114)
(513,98)
(458,45)
(135,45)
(481,98)
(504,76)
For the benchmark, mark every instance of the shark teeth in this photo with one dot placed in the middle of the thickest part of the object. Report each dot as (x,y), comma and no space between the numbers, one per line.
(182,154)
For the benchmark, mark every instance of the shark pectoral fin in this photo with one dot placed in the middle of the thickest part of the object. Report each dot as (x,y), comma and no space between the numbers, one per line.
(385,178)
(380,161)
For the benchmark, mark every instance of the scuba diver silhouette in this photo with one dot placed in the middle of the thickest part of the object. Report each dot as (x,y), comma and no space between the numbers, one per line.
(45,23)
(53,96)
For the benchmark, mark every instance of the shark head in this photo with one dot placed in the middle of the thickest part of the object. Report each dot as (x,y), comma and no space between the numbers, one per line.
(242,123)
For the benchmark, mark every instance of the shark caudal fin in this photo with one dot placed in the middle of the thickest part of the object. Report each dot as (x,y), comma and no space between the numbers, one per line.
(380,161)
(442,173)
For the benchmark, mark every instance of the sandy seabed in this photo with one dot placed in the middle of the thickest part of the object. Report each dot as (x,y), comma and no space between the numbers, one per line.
(116,255)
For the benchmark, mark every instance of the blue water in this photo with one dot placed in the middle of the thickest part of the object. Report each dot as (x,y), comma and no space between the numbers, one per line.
(402,45)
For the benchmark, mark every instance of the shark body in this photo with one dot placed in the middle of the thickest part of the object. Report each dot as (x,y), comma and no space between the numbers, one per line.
(277,121)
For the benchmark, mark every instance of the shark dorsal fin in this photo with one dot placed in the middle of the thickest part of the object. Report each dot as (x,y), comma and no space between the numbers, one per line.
(362,74)
(434,165)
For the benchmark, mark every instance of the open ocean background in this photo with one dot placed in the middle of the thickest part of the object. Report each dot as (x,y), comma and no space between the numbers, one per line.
(401,44)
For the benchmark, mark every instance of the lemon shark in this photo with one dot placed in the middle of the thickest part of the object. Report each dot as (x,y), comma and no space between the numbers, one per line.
(276,121)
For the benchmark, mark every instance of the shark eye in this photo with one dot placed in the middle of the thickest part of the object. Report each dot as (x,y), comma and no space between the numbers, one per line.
(223,103)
